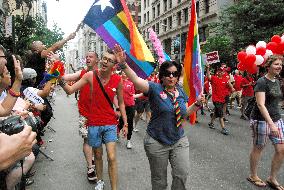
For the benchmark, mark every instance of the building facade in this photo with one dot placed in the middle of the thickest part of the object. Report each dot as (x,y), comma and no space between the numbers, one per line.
(170,20)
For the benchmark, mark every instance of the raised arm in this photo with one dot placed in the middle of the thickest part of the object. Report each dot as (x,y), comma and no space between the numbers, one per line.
(72,77)
(87,78)
(139,83)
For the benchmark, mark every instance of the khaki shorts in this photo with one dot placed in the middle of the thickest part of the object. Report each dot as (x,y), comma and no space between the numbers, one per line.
(236,94)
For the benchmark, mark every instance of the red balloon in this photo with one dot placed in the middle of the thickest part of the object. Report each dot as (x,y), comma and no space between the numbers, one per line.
(272,46)
(276,39)
(253,69)
(281,47)
(260,51)
(241,67)
(250,59)
(242,56)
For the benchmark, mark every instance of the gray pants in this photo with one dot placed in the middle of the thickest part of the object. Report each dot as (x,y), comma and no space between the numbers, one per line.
(159,155)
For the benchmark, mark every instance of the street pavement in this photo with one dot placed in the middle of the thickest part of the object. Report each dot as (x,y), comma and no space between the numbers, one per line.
(216,161)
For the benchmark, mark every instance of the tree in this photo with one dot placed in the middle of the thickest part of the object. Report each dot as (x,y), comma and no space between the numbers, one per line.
(250,21)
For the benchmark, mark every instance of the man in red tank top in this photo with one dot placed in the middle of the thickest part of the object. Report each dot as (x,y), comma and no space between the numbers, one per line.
(84,104)
(102,119)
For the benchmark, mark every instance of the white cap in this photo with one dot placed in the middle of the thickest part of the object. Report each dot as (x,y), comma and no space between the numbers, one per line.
(29,73)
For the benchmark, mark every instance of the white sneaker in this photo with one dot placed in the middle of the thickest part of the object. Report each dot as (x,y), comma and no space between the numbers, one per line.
(100,185)
(135,129)
(129,144)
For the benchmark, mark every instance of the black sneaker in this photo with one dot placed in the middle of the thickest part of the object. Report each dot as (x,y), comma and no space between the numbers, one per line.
(211,126)
(225,131)
(243,117)
(92,175)
(226,120)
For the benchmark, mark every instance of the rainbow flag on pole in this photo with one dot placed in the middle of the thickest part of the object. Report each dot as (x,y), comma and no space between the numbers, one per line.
(193,74)
(111,20)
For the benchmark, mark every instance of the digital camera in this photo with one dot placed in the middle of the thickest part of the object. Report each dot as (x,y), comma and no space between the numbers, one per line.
(15,124)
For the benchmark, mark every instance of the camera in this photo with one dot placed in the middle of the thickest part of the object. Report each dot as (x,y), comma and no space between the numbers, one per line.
(15,124)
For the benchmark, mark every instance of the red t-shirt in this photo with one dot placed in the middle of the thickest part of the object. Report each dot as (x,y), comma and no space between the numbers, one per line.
(101,113)
(238,80)
(219,89)
(84,98)
(226,78)
(206,84)
(128,91)
(247,90)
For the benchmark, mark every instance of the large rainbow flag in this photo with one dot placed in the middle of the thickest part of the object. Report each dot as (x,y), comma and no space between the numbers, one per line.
(193,74)
(112,21)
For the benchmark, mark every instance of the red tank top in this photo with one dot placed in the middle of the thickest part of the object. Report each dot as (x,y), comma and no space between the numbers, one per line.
(84,101)
(101,112)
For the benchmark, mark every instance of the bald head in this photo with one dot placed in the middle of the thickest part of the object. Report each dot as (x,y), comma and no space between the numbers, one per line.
(37,46)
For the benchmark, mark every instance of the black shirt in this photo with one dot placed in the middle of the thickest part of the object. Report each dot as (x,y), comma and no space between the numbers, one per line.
(37,63)
(273,96)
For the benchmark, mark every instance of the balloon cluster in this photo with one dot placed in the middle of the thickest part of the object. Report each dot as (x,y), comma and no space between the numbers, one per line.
(256,55)
(157,45)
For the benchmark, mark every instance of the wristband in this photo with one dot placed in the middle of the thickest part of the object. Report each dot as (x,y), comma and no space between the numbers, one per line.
(122,65)
(13,93)
(62,83)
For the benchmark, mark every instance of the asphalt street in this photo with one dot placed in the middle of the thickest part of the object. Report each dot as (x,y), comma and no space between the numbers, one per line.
(216,161)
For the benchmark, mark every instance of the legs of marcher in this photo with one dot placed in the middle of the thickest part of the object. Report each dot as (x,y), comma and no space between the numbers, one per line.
(179,159)
(88,152)
(277,161)
(158,156)
(99,162)
(254,160)
(112,164)
(130,112)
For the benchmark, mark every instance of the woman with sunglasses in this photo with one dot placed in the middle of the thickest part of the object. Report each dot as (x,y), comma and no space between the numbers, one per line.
(165,140)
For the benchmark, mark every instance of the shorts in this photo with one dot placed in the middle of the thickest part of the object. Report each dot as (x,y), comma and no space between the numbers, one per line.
(218,110)
(142,105)
(101,134)
(261,132)
(227,99)
(236,94)
(83,129)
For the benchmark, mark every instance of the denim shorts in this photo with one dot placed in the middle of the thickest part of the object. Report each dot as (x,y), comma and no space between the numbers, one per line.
(261,132)
(101,134)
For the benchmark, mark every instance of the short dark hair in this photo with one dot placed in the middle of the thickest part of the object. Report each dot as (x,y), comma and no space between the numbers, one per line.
(167,64)
(271,59)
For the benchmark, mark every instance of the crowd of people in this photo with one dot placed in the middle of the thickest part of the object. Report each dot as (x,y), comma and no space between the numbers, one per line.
(112,99)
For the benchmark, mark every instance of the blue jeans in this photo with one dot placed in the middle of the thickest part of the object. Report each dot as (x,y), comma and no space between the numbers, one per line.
(159,155)
(101,134)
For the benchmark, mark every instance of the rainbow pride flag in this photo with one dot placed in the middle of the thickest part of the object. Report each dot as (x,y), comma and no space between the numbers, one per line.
(111,20)
(193,74)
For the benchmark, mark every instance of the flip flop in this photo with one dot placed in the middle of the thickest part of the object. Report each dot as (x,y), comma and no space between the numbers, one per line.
(274,186)
(257,182)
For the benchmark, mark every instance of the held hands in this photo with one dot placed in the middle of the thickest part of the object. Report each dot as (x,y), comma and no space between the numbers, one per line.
(18,70)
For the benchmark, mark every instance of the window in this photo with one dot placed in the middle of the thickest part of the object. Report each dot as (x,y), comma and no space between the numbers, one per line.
(197,9)
(179,18)
(158,28)
(153,12)
(165,5)
(170,4)
(148,17)
(158,9)
(179,1)
(206,2)
(148,4)
(165,25)
(145,3)
(145,18)
(170,22)
(185,13)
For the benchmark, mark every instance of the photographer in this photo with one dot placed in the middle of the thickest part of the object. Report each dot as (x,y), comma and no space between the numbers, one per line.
(20,145)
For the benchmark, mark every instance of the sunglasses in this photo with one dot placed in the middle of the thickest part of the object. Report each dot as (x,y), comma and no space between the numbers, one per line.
(174,74)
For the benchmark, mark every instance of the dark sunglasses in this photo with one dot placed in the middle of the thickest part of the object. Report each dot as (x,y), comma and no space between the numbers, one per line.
(174,74)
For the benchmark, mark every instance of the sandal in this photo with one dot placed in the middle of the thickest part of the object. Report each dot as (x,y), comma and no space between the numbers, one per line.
(257,182)
(274,186)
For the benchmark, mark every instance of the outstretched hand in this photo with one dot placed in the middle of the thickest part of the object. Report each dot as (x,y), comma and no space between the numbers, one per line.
(119,54)
(18,69)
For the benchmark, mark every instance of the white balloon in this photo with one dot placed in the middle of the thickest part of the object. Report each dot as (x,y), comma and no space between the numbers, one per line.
(282,38)
(251,50)
(268,53)
(261,44)
(259,60)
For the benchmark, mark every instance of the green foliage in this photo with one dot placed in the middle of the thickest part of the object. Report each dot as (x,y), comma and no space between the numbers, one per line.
(222,44)
(250,21)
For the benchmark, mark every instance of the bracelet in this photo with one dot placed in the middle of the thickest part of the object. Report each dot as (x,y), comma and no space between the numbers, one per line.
(62,83)
(122,65)
(13,93)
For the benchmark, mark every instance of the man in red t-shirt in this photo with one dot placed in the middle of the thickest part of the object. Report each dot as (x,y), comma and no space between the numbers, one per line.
(219,87)
(84,109)
(247,84)
(238,89)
